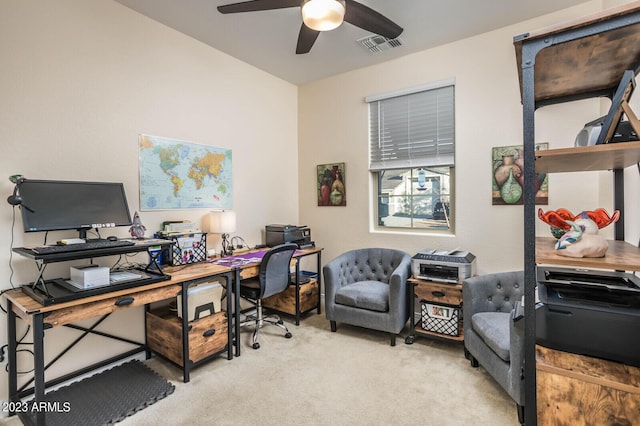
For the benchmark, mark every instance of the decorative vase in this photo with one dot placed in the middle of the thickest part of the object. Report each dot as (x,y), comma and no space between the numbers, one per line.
(324,192)
(337,190)
(336,197)
(558,219)
(511,191)
(520,163)
(502,171)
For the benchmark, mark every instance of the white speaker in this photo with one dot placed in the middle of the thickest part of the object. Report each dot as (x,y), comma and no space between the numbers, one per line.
(588,136)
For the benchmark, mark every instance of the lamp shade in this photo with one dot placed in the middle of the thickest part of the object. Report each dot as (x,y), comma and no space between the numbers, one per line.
(323,15)
(222,222)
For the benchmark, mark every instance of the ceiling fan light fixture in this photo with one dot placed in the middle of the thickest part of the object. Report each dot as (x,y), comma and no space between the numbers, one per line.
(323,15)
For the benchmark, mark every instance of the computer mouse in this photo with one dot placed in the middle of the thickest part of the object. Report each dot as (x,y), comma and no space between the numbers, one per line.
(112,238)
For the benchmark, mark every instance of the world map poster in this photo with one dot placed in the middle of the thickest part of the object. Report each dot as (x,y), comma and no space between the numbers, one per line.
(176,174)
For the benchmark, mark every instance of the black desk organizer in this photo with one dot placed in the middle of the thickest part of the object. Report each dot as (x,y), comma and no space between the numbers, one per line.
(187,248)
(57,290)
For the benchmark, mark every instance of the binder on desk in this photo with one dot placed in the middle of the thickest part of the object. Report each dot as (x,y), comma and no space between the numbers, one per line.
(202,299)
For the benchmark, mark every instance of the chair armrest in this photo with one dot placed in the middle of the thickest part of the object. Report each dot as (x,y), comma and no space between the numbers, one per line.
(398,282)
(516,339)
(332,273)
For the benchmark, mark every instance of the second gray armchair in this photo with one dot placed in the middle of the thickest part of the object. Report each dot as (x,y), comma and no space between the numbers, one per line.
(492,338)
(368,288)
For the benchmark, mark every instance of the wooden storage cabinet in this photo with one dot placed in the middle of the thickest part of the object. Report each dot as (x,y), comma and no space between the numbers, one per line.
(441,294)
(580,390)
(286,301)
(207,336)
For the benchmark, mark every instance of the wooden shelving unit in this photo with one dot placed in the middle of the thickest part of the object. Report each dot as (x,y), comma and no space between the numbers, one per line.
(580,59)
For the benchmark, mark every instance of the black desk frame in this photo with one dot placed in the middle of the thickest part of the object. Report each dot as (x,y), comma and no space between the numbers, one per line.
(237,278)
(39,325)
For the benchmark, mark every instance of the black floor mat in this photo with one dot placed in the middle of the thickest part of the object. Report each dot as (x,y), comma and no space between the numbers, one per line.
(106,398)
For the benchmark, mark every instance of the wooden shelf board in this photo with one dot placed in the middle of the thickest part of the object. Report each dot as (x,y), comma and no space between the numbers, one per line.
(585,67)
(419,330)
(620,256)
(588,158)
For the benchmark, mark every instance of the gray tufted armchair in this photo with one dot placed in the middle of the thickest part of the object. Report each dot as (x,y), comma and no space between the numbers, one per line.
(491,336)
(368,288)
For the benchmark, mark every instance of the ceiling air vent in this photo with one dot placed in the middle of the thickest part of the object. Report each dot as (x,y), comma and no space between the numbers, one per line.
(377,43)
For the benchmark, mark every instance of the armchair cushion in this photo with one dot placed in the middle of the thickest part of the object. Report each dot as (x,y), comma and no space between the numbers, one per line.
(493,328)
(371,295)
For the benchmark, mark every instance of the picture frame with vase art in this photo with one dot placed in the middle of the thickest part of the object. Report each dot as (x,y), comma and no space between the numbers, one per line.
(331,187)
(507,166)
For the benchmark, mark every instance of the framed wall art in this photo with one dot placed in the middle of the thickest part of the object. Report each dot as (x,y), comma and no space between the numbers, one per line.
(331,185)
(508,176)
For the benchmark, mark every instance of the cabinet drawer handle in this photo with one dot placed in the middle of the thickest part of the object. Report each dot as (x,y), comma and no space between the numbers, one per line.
(437,293)
(209,332)
(124,301)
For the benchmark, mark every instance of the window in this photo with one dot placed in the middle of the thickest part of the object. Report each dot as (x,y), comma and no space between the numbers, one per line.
(412,157)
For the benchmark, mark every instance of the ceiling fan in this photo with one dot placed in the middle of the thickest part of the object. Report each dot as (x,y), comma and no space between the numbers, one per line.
(323,15)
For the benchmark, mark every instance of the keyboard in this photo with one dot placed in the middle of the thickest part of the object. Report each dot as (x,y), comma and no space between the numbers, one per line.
(89,245)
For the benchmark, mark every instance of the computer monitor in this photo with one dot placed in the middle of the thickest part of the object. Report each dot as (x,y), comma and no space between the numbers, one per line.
(50,205)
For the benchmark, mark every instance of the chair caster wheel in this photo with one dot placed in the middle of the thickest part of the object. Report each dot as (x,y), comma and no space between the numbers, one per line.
(409,340)
(256,345)
(288,335)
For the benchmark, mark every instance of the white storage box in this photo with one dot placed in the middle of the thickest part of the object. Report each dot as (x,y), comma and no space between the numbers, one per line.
(91,276)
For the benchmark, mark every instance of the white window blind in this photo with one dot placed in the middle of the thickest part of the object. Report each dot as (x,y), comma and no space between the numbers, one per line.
(412,130)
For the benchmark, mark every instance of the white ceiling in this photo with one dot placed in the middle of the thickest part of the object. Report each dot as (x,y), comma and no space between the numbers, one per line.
(267,39)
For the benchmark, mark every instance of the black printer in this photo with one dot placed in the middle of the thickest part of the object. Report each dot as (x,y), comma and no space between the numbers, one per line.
(589,312)
(280,234)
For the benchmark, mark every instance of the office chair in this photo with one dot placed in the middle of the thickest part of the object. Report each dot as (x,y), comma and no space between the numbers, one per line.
(274,278)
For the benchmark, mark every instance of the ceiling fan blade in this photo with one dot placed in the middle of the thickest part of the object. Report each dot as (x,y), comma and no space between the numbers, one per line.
(368,19)
(306,38)
(257,5)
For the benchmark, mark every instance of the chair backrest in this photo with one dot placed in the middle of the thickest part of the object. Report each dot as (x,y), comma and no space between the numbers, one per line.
(274,269)
(375,264)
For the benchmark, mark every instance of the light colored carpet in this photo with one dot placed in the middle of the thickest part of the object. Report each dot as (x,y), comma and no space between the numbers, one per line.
(351,377)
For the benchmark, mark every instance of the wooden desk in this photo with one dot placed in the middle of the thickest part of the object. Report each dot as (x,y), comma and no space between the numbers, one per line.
(581,390)
(20,305)
(250,269)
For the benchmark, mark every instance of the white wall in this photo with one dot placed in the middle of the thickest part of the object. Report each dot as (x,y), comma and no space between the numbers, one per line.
(80,79)
(333,127)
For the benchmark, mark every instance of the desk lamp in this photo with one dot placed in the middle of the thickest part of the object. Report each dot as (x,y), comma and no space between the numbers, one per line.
(223,222)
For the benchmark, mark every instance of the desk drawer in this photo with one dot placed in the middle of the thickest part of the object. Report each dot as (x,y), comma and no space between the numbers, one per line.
(207,335)
(449,294)
(286,301)
(112,304)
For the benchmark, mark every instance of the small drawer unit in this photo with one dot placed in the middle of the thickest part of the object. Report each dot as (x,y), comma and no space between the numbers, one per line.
(286,301)
(437,310)
(207,336)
